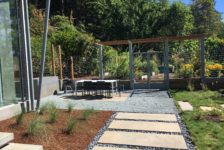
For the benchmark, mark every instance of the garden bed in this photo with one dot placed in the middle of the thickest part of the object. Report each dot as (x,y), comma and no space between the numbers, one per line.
(205,127)
(53,136)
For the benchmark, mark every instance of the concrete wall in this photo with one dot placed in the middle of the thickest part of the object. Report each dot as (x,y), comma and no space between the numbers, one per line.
(212,83)
(9,111)
(49,85)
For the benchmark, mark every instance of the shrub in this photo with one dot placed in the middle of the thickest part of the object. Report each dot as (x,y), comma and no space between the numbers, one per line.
(70,107)
(51,106)
(19,118)
(215,113)
(35,126)
(70,126)
(190,86)
(42,109)
(198,115)
(87,113)
(204,87)
(186,71)
(53,115)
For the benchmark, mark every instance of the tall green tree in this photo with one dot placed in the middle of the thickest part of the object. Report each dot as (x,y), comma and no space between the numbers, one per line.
(206,18)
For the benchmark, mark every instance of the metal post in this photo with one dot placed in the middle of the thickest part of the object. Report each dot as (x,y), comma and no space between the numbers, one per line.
(25,54)
(29,53)
(166,60)
(101,72)
(202,45)
(47,12)
(148,69)
(131,63)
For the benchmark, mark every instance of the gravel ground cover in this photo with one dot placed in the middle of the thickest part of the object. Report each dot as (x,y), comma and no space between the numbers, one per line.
(140,101)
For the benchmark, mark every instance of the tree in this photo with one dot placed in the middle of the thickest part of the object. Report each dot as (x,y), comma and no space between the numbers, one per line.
(179,20)
(206,18)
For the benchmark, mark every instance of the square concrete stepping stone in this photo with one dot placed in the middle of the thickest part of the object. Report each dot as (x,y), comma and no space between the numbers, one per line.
(110,148)
(5,138)
(206,108)
(143,116)
(222,105)
(145,126)
(185,106)
(15,146)
(144,139)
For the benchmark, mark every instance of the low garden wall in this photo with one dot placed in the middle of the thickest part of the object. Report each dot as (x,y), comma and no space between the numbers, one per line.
(49,85)
(212,83)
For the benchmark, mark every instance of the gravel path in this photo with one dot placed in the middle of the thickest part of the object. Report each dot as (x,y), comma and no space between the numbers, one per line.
(140,101)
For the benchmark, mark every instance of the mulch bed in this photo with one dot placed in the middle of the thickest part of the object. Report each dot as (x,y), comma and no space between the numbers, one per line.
(53,136)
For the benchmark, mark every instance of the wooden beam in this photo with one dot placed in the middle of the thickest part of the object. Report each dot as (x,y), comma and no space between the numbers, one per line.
(72,69)
(60,63)
(53,61)
(153,40)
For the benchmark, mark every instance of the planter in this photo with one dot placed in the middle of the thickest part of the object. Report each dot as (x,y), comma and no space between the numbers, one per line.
(215,73)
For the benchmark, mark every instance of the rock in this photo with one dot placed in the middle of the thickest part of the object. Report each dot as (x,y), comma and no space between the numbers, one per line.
(185,106)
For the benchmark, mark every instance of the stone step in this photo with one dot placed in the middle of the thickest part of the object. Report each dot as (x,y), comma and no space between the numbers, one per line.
(5,138)
(143,139)
(149,117)
(16,146)
(145,126)
(110,148)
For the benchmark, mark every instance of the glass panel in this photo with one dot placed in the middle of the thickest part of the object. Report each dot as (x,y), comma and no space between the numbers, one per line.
(9,53)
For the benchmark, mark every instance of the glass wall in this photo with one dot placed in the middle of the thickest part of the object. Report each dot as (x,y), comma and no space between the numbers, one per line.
(9,53)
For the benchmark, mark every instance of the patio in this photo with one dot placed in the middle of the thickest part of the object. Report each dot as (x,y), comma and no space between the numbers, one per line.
(139,101)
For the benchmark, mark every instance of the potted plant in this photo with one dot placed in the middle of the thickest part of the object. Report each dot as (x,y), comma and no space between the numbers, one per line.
(215,70)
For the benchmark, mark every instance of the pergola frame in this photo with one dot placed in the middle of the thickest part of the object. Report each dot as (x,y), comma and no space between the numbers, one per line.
(165,40)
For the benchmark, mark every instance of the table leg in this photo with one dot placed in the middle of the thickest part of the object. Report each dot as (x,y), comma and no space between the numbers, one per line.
(76,88)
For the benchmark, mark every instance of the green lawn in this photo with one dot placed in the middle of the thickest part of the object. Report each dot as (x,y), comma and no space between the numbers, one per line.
(206,135)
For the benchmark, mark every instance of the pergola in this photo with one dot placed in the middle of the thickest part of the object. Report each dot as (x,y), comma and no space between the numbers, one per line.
(165,40)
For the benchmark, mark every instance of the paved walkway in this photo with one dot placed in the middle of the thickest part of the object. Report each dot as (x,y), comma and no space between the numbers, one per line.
(140,101)
(142,131)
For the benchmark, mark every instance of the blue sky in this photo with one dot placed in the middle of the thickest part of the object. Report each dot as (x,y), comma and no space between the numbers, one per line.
(219,5)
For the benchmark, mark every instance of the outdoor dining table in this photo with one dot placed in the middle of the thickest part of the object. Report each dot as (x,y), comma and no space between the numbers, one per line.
(113,83)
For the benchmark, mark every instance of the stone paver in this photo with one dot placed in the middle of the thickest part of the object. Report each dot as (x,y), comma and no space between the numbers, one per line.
(5,138)
(145,126)
(143,116)
(15,146)
(222,105)
(185,106)
(110,148)
(144,139)
(205,108)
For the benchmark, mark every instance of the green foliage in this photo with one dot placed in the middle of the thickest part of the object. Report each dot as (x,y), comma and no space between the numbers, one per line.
(205,133)
(35,127)
(70,107)
(36,45)
(53,115)
(190,86)
(74,43)
(198,115)
(86,113)
(206,18)
(42,109)
(204,87)
(215,113)
(70,126)
(48,107)
(116,64)
(19,118)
